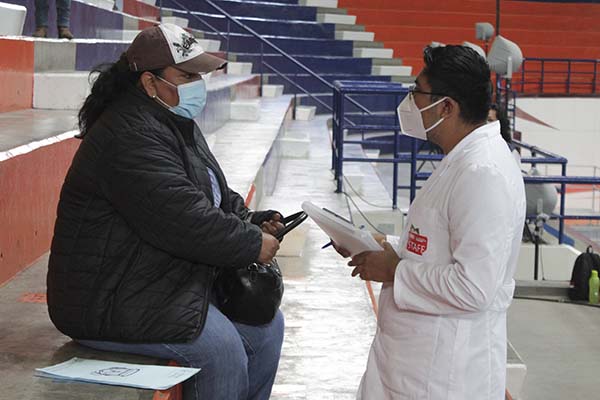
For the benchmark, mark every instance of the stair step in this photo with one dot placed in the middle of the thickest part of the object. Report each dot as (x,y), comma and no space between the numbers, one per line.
(355,35)
(350,27)
(151,2)
(296,147)
(272,90)
(358,44)
(373,53)
(387,61)
(542,288)
(129,35)
(336,19)
(72,86)
(245,110)
(392,70)
(331,10)
(372,153)
(105,4)
(182,22)
(319,3)
(209,45)
(12,19)
(239,68)
(408,79)
(306,113)
(54,55)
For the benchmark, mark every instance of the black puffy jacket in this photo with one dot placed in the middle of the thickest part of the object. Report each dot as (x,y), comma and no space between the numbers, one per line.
(137,241)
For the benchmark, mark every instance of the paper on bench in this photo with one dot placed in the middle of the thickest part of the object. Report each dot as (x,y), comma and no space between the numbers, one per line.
(340,231)
(118,373)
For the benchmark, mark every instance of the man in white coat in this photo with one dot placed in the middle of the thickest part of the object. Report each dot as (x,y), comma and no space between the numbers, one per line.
(448,280)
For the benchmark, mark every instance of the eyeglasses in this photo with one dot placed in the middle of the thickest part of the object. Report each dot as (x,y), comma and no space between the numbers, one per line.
(413,89)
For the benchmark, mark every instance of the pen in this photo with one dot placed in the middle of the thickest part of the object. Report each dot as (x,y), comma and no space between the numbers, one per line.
(331,242)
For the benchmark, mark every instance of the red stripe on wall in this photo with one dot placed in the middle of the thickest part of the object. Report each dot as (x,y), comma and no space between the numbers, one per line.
(16,74)
(30,185)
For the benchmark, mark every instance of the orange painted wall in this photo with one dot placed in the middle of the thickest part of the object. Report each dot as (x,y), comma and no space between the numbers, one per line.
(29,190)
(548,30)
(16,74)
(140,9)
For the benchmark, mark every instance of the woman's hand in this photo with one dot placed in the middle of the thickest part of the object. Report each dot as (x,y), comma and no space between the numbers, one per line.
(273,225)
(269,248)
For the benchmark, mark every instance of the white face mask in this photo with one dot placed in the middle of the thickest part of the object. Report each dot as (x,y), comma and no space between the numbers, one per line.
(411,121)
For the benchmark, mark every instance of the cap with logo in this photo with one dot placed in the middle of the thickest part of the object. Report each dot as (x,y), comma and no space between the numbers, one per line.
(170,45)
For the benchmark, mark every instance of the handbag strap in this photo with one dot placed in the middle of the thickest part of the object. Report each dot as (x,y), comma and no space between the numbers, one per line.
(290,223)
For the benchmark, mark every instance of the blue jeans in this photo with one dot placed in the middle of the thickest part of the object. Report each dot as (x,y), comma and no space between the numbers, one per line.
(238,362)
(63,13)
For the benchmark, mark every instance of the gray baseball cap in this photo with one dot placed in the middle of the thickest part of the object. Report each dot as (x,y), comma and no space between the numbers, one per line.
(167,45)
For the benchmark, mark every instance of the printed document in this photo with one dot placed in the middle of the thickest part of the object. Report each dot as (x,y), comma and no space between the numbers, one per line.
(341,231)
(117,373)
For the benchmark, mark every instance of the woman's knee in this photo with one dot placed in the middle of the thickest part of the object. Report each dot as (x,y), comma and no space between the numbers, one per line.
(278,326)
(274,336)
(226,350)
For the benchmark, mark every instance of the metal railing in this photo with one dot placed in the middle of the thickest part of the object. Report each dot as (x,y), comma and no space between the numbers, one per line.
(226,36)
(554,76)
(341,92)
(340,127)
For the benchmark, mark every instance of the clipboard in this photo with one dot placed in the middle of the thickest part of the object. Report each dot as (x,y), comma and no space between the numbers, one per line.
(341,231)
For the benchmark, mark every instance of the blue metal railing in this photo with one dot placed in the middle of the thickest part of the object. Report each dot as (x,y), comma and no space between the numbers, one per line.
(341,92)
(558,76)
(538,156)
(263,41)
(507,98)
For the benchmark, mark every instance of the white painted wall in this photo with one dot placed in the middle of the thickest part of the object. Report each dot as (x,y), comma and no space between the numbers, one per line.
(575,134)
(577,123)
(556,262)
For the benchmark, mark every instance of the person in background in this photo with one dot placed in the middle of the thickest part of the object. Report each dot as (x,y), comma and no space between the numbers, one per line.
(63,14)
(541,198)
(448,280)
(146,221)
(498,113)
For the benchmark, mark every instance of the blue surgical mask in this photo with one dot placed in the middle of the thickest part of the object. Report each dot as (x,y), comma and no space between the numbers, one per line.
(192,98)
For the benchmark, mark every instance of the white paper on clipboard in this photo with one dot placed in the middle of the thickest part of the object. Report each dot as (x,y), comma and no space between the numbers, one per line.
(341,231)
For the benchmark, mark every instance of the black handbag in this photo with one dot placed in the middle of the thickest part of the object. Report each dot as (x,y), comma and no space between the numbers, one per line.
(252,294)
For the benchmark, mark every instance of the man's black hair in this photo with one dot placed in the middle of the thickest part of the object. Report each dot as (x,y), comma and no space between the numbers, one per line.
(461,73)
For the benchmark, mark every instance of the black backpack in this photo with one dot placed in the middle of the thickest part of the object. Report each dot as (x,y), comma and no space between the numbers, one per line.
(582,270)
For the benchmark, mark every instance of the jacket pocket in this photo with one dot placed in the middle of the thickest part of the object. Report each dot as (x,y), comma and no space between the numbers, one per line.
(405,351)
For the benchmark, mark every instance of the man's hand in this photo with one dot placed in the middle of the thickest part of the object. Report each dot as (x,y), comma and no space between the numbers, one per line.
(378,266)
(379,238)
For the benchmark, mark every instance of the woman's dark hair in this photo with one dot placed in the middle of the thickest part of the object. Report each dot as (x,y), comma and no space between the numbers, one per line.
(502,116)
(461,73)
(112,81)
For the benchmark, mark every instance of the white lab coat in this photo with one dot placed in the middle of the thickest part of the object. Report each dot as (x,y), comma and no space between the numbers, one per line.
(441,331)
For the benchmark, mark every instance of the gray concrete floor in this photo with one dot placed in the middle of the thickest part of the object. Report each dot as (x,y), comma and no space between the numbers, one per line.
(560,345)
(329,319)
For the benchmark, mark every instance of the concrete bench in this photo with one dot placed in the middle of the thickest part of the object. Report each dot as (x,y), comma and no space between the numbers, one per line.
(29,340)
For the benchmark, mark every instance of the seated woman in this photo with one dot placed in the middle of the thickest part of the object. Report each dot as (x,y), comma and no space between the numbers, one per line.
(146,220)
